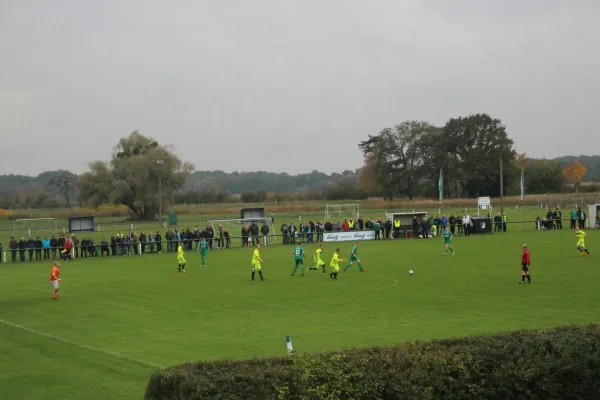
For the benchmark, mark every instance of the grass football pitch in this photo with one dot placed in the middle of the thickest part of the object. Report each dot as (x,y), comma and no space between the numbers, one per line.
(119,319)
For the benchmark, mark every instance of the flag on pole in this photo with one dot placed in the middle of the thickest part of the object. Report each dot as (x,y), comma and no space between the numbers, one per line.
(441,186)
(522,184)
(288,343)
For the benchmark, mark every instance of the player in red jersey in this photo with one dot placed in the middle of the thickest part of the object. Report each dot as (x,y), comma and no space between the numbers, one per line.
(55,279)
(525,265)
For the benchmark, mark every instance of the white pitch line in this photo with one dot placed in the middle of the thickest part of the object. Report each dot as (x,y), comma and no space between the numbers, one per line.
(82,346)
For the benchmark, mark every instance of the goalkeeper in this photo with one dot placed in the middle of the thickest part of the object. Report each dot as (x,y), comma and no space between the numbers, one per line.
(318,260)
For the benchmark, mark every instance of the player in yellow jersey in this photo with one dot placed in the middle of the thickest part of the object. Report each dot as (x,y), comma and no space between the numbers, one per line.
(257,263)
(318,260)
(335,264)
(580,235)
(180,258)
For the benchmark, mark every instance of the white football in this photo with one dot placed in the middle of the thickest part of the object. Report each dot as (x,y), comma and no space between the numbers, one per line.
(411,272)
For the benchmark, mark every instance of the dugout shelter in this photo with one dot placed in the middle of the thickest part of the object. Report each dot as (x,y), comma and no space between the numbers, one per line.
(253,213)
(481,225)
(406,218)
(81,224)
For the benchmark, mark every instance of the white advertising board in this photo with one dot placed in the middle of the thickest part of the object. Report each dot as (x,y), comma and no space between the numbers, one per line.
(348,236)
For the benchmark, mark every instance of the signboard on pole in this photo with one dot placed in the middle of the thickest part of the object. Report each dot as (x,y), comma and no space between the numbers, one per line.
(484,203)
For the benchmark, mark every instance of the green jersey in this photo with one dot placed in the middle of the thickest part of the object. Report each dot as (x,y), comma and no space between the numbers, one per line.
(447,236)
(354,251)
(203,245)
(299,252)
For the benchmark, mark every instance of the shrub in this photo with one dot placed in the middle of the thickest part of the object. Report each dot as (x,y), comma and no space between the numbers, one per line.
(561,363)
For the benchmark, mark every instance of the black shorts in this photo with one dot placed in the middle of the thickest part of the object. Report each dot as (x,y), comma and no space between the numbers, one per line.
(524,267)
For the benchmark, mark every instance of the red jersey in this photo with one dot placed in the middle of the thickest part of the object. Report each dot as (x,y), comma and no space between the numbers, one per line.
(54,274)
(68,245)
(526,257)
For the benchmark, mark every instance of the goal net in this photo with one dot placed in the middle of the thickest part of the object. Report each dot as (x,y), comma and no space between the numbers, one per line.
(34,227)
(235,226)
(340,212)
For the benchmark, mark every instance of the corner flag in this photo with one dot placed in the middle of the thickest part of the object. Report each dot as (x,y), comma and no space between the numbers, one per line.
(288,343)
(441,186)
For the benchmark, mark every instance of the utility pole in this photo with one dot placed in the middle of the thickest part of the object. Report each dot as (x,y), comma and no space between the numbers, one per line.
(501,188)
(160,162)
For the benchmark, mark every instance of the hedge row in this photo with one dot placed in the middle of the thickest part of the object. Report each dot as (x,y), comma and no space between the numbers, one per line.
(561,363)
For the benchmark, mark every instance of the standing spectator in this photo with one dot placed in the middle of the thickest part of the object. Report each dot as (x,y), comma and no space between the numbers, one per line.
(245,235)
(13,245)
(459,224)
(573,219)
(415,227)
(504,222)
(581,218)
(135,243)
(452,222)
(320,228)
(292,233)
(284,233)
(60,244)
(30,247)
(220,241)
(497,223)
(361,224)
(142,243)
(210,235)
(158,240)
(38,249)
(76,244)
(104,247)
(54,246)
(227,238)
(1,251)
(151,242)
(388,229)
(345,226)
(84,248)
(443,223)
(549,220)
(22,245)
(467,225)
(558,216)
(46,247)
(264,229)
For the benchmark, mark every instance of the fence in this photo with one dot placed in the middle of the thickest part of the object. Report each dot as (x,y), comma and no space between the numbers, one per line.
(157,247)
(568,200)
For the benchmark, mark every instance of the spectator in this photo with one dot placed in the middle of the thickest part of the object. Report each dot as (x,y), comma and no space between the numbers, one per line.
(245,235)
(30,247)
(284,233)
(158,240)
(558,218)
(22,245)
(13,245)
(151,242)
(104,247)
(84,248)
(76,245)
(54,246)
(573,219)
(264,229)
(467,225)
(38,249)
(452,222)
(46,247)
(227,238)
(142,243)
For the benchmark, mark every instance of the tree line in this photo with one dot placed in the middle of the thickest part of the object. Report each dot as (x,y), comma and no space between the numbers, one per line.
(404,161)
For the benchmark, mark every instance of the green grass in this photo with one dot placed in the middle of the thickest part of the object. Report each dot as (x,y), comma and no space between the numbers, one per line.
(119,319)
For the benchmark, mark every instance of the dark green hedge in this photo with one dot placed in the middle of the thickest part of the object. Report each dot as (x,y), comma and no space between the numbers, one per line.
(561,363)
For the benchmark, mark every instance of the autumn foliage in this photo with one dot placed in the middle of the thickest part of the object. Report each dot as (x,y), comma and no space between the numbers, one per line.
(575,173)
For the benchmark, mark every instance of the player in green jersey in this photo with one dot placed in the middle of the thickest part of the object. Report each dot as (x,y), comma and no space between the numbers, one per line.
(203,250)
(354,258)
(447,241)
(298,258)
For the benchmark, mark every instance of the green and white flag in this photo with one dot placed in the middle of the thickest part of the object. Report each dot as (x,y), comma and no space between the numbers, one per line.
(522,184)
(441,186)
(290,348)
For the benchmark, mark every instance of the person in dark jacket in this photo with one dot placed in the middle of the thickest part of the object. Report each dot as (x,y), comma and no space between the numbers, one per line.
(30,247)
(284,233)
(158,240)
(38,248)
(245,235)
(388,229)
(452,222)
(254,232)
(53,246)
(1,250)
(76,245)
(265,232)
(60,244)
(22,245)
(142,242)
(227,238)
(113,244)
(13,245)
(104,247)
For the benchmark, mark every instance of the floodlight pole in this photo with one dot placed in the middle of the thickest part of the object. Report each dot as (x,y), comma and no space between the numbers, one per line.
(160,162)
(500,126)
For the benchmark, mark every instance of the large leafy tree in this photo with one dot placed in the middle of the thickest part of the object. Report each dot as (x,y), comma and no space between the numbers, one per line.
(469,150)
(575,172)
(132,177)
(64,185)
(542,176)
(394,158)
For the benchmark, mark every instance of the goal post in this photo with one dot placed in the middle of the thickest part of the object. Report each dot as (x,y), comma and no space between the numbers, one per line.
(341,212)
(34,227)
(234,226)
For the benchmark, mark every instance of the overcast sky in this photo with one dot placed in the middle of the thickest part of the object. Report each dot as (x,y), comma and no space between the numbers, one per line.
(284,85)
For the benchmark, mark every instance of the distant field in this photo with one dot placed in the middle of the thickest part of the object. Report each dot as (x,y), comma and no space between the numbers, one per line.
(120,318)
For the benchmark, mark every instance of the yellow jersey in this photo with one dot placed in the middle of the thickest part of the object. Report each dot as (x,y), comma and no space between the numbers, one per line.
(335,260)
(256,257)
(580,234)
(179,251)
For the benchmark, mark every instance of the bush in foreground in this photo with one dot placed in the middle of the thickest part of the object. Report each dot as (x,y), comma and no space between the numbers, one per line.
(561,363)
